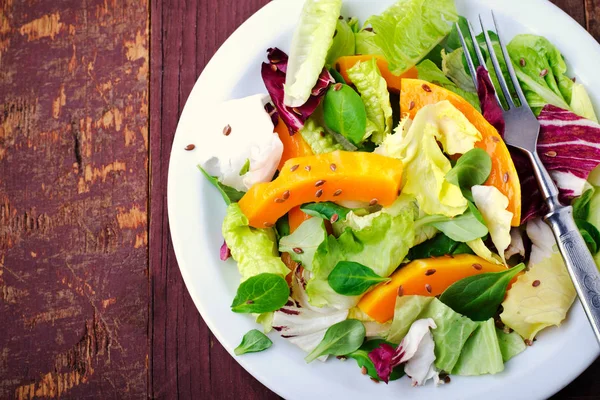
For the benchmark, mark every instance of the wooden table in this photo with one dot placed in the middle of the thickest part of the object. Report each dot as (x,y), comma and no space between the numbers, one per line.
(92,304)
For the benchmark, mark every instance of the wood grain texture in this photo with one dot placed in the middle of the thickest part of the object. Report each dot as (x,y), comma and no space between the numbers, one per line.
(73,198)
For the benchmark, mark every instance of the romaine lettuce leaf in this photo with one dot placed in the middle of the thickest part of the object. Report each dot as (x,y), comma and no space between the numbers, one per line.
(581,104)
(310,44)
(481,353)
(343,42)
(511,344)
(425,164)
(453,68)
(406,311)
(375,96)
(255,250)
(430,72)
(319,140)
(492,204)
(530,308)
(408,30)
(481,250)
(365,43)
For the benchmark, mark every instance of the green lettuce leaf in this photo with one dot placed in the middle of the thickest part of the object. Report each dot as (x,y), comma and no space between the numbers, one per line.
(407,311)
(319,140)
(541,70)
(255,250)
(408,30)
(481,250)
(379,241)
(425,164)
(308,237)
(481,354)
(312,39)
(343,42)
(375,96)
(430,72)
(453,68)
(511,344)
(528,309)
(365,43)
(581,104)
(492,204)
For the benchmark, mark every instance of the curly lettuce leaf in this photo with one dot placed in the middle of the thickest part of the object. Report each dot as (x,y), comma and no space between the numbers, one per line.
(453,68)
(312,39)
(375,96)
(430,72)
(308,237)
(344,42)
(408,30)
(255,250)
(426,166)
(319,140)
(365,43)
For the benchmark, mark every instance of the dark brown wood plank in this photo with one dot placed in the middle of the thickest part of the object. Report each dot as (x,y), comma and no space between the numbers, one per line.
(186,360)
(73,198)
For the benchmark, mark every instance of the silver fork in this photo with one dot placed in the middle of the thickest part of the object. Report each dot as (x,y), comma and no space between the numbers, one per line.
(522,130)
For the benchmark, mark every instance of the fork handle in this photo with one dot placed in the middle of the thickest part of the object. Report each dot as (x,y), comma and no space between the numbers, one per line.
(578,259)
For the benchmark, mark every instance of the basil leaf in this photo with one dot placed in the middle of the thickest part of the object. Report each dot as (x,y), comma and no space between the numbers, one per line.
(590,234)
(464,228)
(245,167)
(325,210)
(230,195)
(340,339)
(336,75)
(261,293)
(478,297)
(344,113)
(253,342)
(361,356)
(472,168)
(350,278)
(581,205)
(440,245)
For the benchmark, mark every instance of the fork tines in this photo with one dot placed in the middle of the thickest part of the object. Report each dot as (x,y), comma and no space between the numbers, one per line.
(495,62)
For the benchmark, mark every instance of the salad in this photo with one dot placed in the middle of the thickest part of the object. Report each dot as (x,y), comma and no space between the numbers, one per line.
(375,212)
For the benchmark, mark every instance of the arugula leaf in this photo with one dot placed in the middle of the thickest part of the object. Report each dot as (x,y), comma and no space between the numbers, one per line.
(472,168)
(245,167)
(261,293)
(325,210)
(230,195)
(344,113)
(253,342)
(581,205)
(440,245)
(352,279)
(361,356)
(340,339)
(464,228)
(479,296)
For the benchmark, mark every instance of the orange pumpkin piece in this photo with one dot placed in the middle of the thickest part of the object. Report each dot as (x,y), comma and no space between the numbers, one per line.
(427,277)
(293,145)
(343,64)
(296,217)
(335,176)
(417,93)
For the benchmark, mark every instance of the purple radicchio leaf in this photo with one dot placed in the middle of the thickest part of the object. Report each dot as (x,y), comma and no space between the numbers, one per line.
(270,109)
(273,74)
(224,252)
(384,360)
(490,108)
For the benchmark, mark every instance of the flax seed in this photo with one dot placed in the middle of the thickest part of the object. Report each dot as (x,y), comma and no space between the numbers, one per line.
(337,192)
(411,105)
(333,167)
(426,88)
(536,283)
(320,182)
(551,153)
(544,72)
(307,168)
(522,62)
(227,130)
(429,272)
(363,370)
(294,167)
(319,193)
(298,250)
(428,287)
(334,218)
(273,67)
(286,195)
(505,177)
(478,267)
(268,224)
(190,147)
(278,200)
(373,202)
(400,291)
(337,87)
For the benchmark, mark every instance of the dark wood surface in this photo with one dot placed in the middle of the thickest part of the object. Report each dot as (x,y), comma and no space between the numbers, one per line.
(90,93)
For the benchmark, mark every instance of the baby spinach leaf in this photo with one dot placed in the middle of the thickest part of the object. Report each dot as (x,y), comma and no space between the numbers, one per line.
(336,75)
(581,205)
(283,226)
(472,168)
(464,228)
(344,113)
(253,342)
(350,278)
(325,210)
(230,195)
(478,297)
(440,245)
(590,234)
(261,293)
(362,359)
(340,339)
(245,167)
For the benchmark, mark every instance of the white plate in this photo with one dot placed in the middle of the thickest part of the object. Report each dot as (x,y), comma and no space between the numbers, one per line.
(196,211)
